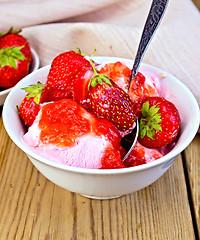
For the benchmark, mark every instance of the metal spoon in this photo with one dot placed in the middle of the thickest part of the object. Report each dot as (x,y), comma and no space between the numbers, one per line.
(154,18)
(128,142)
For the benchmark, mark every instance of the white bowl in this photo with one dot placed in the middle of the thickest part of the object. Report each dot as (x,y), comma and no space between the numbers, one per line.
(34,66)
(101,183)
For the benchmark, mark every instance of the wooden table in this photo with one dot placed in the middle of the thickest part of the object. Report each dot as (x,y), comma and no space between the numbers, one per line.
(31,207)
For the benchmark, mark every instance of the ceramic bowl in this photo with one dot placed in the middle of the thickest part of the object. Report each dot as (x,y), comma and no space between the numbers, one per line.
(34,66)
(99,183)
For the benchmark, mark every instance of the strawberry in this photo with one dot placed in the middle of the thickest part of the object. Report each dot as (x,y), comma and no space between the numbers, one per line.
(139,90)
(77,137)
(30,106)
(15,58)
(141,155)
(107,100)
(13,38)
(111,159)
(68,120)
(108,130)
(119,73)
(80,87)
(160,122)
(65,68)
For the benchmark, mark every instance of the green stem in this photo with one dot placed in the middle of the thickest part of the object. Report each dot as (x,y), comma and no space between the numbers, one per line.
(93,67)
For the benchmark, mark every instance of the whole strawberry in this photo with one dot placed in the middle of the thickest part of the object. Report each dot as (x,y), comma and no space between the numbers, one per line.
(160,122)
(30,106)
(107,100)
(15,58)
(65,68)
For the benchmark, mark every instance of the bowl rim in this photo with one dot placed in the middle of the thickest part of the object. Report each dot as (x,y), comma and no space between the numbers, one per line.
(168,157)
(35,67)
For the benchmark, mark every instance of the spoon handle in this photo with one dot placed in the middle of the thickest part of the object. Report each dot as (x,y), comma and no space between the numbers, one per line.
(154,18)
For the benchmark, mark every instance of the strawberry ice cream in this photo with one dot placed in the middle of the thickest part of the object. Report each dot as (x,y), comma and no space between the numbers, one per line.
(72,133)
(66,133)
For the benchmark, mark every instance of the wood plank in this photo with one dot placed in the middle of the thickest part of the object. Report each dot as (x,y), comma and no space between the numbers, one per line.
(34,208)
(192,161)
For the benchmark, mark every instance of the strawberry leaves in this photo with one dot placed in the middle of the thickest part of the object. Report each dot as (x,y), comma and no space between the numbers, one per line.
(98,78)
(9,56)
(35,91)
(11,30)
(160,122)
(149,123)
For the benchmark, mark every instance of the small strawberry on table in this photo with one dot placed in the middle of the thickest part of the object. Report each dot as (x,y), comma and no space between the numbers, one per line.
(15,58)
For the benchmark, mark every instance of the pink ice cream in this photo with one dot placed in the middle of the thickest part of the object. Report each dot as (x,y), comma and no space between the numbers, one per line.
(86,153)
(85,150)
(89,147)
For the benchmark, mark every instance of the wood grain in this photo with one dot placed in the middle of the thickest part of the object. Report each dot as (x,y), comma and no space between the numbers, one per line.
(192,163)
(34,208)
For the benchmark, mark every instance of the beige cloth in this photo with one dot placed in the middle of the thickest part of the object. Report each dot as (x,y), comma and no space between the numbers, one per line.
(23,13)
(114,28)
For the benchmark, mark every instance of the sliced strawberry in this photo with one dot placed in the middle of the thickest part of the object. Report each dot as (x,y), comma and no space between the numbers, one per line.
(64,121)
(111,159)
(119,73)
(160,122)
(141,155)
(80,87)
(30,107)
(65,68)
(139,90)
(109,130)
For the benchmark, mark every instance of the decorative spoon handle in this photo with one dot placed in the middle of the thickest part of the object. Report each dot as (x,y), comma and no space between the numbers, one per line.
(156,13)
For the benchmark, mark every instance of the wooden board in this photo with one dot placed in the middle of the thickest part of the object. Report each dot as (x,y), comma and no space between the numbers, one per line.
(34,208)
(192,167)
